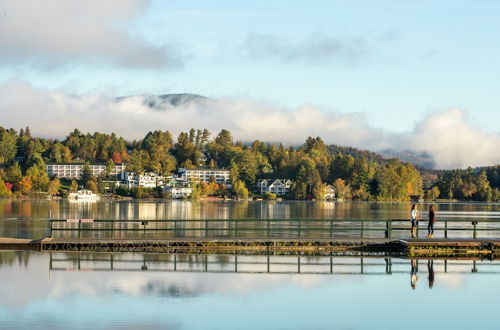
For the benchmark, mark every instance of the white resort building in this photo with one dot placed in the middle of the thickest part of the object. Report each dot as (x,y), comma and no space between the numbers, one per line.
(274,186)
(74,171)
(205,174)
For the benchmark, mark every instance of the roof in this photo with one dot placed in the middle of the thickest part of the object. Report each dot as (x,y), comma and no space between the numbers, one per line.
(94,164)
(203,169)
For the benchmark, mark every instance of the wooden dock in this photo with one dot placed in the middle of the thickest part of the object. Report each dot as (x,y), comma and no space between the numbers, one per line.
(487,248)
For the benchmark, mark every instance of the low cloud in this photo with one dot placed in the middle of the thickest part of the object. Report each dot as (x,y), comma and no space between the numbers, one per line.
(447,136)
(50,33)
(315,48)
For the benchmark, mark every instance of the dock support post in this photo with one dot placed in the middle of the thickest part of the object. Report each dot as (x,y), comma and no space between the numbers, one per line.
(331,228)
(362,228)
(445,228)
(474,234)
(299,228)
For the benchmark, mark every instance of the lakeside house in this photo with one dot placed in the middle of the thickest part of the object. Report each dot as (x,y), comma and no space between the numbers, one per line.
(83,196)
(219,175)
(274,186)
(179,191)
(146,180)
(75,170)
(330,192)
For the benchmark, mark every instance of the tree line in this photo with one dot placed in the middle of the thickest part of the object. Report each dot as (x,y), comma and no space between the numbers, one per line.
(355,174)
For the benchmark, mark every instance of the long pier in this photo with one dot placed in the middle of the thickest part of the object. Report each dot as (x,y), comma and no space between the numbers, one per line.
(265,236)
(485,248)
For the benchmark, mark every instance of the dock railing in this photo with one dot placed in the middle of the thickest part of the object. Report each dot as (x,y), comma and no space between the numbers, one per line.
(266,228)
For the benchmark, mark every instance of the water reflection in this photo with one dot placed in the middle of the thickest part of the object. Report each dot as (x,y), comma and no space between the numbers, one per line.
(28,218)
(189,291)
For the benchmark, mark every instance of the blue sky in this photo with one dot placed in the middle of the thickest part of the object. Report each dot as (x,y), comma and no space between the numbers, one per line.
(392,64)
(416,57)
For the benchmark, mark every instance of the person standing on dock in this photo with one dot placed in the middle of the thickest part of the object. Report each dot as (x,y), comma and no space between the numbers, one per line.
(432,219)
(414,221)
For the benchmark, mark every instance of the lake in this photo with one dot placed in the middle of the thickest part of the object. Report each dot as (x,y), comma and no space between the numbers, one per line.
(29,218)
(136,291)
(80,290)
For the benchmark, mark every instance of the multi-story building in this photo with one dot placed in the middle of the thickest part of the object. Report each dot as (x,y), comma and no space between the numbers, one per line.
(74,171)
(205,175)
(275,186)
(146,180)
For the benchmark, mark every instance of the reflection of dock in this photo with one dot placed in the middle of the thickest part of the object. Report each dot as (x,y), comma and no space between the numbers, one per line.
(413,247)
(259,264)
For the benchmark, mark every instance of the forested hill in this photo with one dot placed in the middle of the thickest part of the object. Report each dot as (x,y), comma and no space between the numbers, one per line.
(358,153)
(355,174)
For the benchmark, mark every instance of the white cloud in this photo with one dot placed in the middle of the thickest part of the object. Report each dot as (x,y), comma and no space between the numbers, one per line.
(49,33)
(447,136)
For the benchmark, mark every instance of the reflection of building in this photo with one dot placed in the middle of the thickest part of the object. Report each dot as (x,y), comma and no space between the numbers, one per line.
(74,171)
(146,211)
(329,192)
(146,180)
(275,186)
(205,174)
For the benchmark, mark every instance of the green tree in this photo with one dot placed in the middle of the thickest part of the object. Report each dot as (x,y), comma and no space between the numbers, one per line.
(74,186)
(342,190)
(3,189)
(92,186)
(110,167)
(53,187)
(8,145)
(14,173)
(240,190)
(247,167)
(86,173)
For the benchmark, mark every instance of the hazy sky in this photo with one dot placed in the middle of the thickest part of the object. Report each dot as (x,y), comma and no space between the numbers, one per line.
(391,64)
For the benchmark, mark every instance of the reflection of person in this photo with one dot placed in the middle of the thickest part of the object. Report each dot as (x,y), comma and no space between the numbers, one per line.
(414,271)
(430,269)
(414,221)
(432,219)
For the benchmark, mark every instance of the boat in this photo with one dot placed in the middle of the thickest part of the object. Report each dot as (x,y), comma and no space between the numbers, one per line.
(83,196)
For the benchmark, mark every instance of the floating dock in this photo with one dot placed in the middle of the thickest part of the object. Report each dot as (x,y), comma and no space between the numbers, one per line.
(485,248)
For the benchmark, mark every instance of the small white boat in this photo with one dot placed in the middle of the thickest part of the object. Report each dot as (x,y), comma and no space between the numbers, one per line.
(83,196)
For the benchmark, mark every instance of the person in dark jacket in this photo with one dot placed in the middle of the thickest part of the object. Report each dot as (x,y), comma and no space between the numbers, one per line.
(432,219)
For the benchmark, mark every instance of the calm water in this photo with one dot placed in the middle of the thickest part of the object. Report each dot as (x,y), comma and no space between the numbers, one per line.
(28,218)
(134,291)
(176,291)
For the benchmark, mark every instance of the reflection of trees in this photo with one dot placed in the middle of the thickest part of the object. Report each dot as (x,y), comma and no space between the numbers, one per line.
(9,257)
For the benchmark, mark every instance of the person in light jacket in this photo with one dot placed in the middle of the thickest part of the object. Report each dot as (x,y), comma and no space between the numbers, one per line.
(414,220)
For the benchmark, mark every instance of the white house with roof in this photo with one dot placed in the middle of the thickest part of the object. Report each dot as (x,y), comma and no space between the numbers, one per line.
(330,192)
(275,186)
(179,191)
